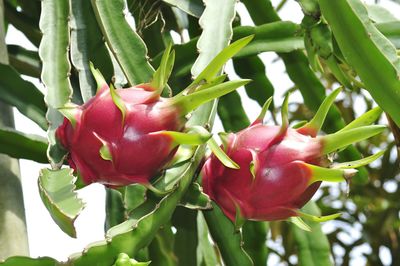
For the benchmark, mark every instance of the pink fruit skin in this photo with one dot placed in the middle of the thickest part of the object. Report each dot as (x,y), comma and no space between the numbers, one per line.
(281,181)
(138,153)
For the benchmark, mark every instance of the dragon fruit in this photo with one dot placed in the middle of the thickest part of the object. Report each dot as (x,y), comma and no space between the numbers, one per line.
(279,168)
(125,136)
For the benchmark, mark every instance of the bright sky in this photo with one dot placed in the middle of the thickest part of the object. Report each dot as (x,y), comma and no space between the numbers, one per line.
(45,238)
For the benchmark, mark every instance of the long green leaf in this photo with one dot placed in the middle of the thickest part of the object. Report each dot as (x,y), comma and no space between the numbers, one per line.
(367,51)
(23,23)
(53,51)
(56,188)
(23,146)
(25,61)
(125,44)
(312,247)
(23,95)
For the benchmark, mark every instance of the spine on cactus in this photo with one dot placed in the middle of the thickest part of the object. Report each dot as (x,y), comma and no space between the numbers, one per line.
(280,168)
(125,136)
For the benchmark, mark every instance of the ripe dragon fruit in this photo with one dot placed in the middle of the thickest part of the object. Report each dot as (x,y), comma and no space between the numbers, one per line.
(280,168)
(125,136)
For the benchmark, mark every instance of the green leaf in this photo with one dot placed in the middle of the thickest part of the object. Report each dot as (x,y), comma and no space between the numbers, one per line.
(57,191)
(23,146)
(313,247)
(53,52)
(371,55)
(280,37)
(126,45)
(25,61)
(22,94)
(23,23)
(195,198)
(192,7)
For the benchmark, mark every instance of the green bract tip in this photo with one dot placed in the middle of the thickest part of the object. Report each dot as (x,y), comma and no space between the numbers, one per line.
(316,123)
(101,82)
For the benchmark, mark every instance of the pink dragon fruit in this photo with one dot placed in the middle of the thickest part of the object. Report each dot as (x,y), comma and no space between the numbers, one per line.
(280,167)
(126,136)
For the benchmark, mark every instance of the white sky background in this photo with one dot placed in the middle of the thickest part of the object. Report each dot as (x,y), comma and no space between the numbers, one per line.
(46,239)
